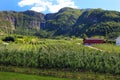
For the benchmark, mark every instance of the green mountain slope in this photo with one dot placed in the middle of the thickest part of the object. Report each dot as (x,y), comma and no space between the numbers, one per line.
(98,22)
(62,21)
(67,22)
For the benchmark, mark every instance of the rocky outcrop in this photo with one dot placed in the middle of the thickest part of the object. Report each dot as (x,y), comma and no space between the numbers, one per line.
(11,20)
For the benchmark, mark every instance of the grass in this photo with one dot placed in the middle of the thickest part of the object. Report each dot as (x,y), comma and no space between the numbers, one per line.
(57,74)
(110,48)
(69,56)
(18,76)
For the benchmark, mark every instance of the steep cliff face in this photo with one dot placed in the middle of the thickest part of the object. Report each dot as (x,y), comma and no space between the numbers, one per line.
(14,21)
(33,19)
(6,22)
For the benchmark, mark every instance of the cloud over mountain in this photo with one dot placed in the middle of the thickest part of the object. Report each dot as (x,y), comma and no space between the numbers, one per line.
(47,5)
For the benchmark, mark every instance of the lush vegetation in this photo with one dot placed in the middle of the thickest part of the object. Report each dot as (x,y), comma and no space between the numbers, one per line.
(61,23)
(59,54)
(110,48)
(64,51)
(98,22)
(17,76)
(66,22)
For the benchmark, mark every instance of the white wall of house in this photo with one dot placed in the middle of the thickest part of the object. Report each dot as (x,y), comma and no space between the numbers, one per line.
(118,41)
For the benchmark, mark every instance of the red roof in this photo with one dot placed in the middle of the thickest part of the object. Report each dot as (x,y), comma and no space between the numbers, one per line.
(93,41)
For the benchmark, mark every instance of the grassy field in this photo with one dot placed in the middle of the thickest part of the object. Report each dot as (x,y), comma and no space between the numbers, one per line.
(79,75)
(59,54)
(109,48)
(18,76)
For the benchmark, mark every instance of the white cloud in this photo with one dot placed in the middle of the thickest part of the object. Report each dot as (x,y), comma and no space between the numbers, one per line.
(23,3)
(60,4)
(47,5)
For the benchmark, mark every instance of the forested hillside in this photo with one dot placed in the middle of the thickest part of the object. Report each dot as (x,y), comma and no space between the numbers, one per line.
(66,22)
(62,21)
(98,22)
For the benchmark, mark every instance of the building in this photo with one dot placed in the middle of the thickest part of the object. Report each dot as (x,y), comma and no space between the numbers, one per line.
(118,41)
(90,41)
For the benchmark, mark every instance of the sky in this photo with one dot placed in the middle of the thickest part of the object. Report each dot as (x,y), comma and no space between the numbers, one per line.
(52,6)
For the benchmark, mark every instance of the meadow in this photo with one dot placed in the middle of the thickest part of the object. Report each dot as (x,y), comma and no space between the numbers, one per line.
(62,54)
(18,76)
(110,48)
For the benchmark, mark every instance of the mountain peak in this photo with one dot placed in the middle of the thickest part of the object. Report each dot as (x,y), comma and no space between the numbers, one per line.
(65,9)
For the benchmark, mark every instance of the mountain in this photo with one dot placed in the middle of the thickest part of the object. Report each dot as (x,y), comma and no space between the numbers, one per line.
(62,21)
(19,22)
(98,22)
(67,22)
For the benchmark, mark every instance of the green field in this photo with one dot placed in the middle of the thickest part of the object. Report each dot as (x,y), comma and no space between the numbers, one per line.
(108,48)
(60,74)
(18,76)
(66,55)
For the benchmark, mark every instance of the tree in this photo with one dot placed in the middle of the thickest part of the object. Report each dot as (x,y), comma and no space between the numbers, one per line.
(9,39)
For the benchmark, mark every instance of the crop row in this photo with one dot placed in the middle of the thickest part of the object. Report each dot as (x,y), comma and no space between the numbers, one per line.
(59,56)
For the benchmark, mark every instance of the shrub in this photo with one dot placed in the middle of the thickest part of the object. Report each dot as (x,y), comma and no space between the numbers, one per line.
(110,41)
(9,39)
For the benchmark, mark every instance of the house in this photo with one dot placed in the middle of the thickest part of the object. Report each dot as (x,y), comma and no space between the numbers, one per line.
(118,41)
(90,41)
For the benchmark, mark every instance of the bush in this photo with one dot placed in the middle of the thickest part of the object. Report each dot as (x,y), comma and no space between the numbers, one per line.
(9,39)
(110,41)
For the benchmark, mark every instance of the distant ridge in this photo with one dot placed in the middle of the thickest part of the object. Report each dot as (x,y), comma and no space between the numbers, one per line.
(67,22)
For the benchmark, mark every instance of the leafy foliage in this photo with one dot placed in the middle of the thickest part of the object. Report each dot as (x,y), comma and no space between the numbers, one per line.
(60,54)
(9,39)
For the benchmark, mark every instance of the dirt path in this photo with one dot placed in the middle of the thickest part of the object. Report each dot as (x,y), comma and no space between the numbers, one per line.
(94,48)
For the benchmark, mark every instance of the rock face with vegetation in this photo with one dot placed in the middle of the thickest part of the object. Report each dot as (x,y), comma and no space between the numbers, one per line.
(11,21)
(67,22)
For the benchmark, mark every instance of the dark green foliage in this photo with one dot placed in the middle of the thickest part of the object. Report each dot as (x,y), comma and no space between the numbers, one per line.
(111,41)
(9,39)
(44,34)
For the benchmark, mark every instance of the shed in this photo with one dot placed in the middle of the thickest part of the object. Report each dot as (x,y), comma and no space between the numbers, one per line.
(90,41)
(118,41)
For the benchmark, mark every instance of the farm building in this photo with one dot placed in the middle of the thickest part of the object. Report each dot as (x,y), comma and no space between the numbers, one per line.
(118,41)
(90,41)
